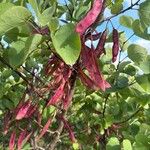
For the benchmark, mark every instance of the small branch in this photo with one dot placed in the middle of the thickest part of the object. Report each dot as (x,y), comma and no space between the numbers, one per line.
(56,135)
(105,104)
(121,12)
(17,72)
(129,118)
(33,75)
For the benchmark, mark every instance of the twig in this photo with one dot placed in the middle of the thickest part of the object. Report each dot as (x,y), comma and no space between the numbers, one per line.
(121,12)
(129,118)
(17,72)
(105,104)
(33,75)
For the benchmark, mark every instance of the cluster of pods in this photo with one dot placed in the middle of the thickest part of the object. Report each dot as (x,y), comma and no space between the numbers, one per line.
(63,76)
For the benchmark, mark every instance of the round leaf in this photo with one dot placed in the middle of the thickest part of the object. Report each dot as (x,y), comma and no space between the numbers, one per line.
(126,21)
(67,43)
(137,53)
(127,145)
(13,17)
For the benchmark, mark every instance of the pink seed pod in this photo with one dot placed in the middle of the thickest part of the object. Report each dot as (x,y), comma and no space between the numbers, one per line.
(90,17)
(30,111)
(96,75)
(23,110)
(86,80)
(12,141)
(21,139)
(68,96)
(57,96)
(100,46)
(115,48)
(70,131)
(7,121)
(44,130)
(90,62)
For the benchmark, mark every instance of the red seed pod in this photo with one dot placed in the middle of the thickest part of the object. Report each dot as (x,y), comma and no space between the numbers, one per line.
(68,127)
(57,96)
(12,141)
(86,80)
(21,139)
(97,75)
(100,46)
(23,110)
(90,62)
(30,111)
(51,66)
(7,121)
(44,130)
(68,96)
(115,48)
(90,18)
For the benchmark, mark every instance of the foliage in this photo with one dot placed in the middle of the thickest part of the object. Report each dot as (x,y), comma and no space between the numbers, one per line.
(70,78)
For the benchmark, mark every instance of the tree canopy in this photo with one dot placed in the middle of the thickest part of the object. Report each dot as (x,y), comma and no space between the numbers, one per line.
(73,76)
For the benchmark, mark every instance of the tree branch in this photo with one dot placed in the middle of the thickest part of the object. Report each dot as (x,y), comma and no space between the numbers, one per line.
(121,12)
(17,72)
(129,118)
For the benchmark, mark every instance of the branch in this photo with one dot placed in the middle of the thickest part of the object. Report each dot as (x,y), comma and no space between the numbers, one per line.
(56,135)
(129,118)
(17,72)
(105,103)
(39,79)
(121,12)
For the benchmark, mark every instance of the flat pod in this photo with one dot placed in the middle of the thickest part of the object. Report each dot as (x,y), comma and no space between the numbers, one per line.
(115,49)
(90,18)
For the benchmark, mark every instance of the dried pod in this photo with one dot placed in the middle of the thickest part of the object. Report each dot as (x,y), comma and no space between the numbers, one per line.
(115,49)
(44,130)
(12,141)
(100,46)
(90,17)
(21,139)
(23,110)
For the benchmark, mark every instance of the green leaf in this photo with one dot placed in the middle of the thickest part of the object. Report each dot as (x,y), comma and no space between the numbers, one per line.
(140,31)
(80,11)
(130,70)
(144,13)
(116,8)
(16,53)
(13,17)
(75,146)
(4,7)
(46,16)
(144,82)
(126,21)
(113,144)
(145,66)
(33,42)
(67,43)
(137,53)
(34,5)
(20,50)
(127,145)
(122,82)
(53,24)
